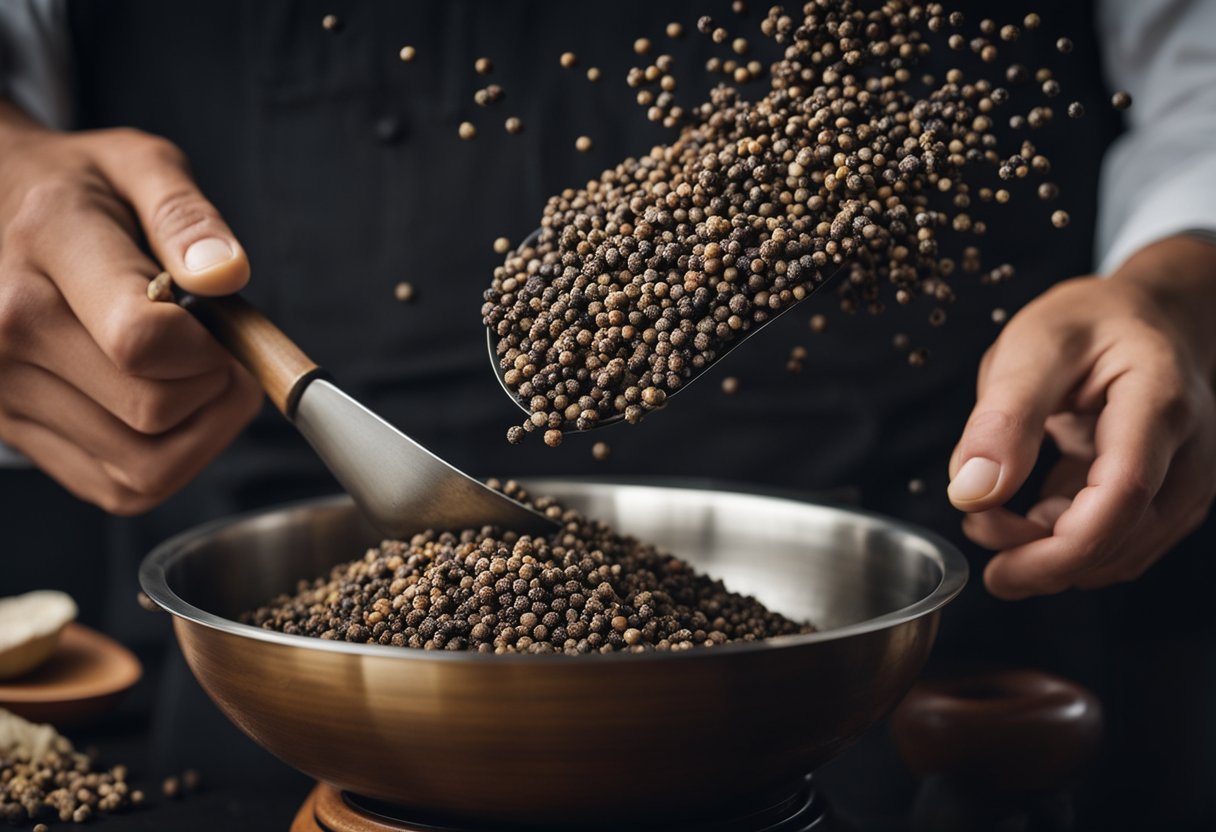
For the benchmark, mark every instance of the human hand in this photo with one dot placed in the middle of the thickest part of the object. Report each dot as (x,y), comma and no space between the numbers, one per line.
(1120,373)
(119,399)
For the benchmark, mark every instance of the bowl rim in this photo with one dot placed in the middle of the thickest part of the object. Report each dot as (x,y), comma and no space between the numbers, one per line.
(950,561)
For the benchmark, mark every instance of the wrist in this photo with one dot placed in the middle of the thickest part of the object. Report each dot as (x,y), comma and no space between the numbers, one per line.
(15,127)
(1175,279)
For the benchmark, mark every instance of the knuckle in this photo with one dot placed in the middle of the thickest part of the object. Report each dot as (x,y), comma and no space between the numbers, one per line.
(146,144)
(123,503)
(21,303)
(149,477)
(152,413)
(999,422)
(127,341)
(43,202)
(181,213)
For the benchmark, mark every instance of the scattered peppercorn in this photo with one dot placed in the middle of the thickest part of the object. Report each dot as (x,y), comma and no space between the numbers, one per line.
(191,780)
(404,292)
(1060,219)
(171,788)
(1032,21)
(502,245)
(1064,46)
(160,288)
(513,125)
(641,46)
(601,451)
(331,23)
(818,323)
(1048,191)
(675,30)
(901,341)
(467,130)
(1121,100)
(407,53)
(584,590)
(483,66)
(916,487)
(568,60)
(593,74)
(582,144)
(999,316)
(1076,110)
(730,385)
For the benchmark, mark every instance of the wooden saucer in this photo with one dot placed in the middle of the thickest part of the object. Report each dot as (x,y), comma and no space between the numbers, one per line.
(85,677)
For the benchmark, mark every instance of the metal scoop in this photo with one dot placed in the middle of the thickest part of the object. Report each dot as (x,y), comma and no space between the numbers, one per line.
(401,486)
(499,371)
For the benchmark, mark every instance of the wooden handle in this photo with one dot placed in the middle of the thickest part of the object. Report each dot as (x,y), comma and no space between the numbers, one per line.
(275,361)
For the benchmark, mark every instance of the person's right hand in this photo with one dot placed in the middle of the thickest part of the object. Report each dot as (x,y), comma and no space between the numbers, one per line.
(120,399)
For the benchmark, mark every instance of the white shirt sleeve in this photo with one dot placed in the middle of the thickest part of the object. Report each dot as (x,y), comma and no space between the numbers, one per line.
(34,73)
(35,59)
(1159,178)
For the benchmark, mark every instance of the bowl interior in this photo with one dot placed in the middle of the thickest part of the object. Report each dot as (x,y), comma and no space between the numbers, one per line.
(836,567)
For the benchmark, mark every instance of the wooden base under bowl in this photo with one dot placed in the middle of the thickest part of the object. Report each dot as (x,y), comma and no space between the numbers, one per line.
(328,810)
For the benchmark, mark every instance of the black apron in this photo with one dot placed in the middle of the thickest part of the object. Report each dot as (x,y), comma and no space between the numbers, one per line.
(340,170)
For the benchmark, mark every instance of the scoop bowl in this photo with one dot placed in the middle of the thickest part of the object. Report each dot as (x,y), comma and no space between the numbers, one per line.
(541,739)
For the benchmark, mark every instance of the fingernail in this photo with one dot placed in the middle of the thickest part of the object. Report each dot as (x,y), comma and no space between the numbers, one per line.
(975,480)
(208,252)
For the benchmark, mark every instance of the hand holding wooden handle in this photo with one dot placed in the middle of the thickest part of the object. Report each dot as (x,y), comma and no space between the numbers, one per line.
(275,361)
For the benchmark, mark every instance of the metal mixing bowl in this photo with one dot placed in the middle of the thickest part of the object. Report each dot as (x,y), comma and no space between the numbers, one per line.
(544,738)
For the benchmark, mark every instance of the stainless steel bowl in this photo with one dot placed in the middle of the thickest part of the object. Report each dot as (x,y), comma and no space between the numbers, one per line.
(545,738)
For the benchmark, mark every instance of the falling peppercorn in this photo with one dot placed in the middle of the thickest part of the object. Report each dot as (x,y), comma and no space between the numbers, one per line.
(407,53)
(818,323)
(675,30)
(1121,100)
(483,66)
(403,292)
(916,487)
(1060,219)
(553,437)
(513,125)
(502,245)
(331,23)
(730,385)
(582,144)
(1076,110)
(467,130)
(568,60)
(999,316)
(641,46)
(593,74)
(1064,46)
(601,451)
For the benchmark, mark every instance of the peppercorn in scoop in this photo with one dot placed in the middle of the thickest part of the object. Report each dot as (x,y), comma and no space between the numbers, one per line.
(584,590)
(849,164)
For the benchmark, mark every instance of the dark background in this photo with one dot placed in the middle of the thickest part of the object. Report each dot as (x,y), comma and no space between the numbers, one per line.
(339,168)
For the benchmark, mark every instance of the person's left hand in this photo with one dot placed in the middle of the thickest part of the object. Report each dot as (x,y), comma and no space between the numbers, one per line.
(1120,373)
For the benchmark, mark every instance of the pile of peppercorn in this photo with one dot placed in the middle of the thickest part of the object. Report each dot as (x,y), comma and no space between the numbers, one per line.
(584,589)
(57,782)
(850,162)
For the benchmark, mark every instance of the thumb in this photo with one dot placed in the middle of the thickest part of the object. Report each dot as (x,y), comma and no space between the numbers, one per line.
(1025,380)
(186,232)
